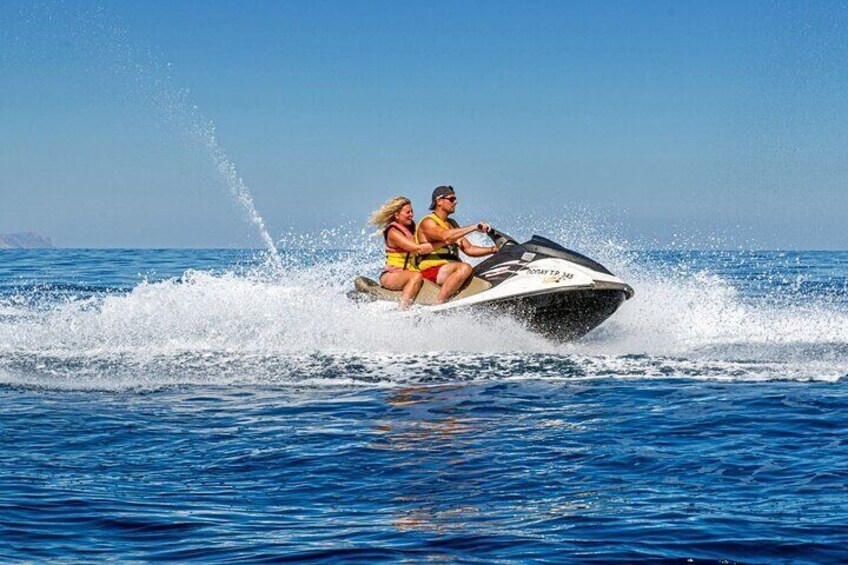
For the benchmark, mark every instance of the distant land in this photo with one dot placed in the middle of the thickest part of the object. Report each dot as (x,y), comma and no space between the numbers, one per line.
(25,240)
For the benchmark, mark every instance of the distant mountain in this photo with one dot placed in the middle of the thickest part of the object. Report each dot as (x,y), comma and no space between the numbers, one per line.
(26,240)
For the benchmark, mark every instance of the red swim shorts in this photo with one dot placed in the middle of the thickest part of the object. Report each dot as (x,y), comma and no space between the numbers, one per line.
(431,273)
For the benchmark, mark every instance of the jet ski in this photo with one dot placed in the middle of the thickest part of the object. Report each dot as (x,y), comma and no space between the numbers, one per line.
(552,290)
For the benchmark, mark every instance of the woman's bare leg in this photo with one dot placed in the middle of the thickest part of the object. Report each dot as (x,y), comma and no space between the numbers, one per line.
(408,281)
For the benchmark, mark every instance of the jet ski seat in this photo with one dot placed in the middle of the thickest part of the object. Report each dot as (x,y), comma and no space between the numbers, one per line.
(428,293)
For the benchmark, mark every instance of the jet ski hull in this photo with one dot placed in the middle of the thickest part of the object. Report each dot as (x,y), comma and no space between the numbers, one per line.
(560,315)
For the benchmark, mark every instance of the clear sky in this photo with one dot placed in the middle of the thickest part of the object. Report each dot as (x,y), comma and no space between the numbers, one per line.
(678,119)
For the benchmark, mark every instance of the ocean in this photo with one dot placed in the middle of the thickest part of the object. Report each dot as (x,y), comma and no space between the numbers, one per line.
(203,406)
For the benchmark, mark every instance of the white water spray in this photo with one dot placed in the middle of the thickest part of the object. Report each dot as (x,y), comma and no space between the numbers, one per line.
(227,170)
(99,39)
(175,105)
(237,327)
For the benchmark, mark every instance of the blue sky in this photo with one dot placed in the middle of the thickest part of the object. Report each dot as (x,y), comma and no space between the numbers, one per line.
(683,121)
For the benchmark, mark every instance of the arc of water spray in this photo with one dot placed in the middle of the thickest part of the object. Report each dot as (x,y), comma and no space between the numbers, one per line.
(99,31)
(242,194)
(203,131)
(176,105)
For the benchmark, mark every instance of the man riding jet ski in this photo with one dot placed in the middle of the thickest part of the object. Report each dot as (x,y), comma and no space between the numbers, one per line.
(556,292)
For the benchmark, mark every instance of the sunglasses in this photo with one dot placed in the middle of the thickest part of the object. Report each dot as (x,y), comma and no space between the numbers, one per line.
(450,198)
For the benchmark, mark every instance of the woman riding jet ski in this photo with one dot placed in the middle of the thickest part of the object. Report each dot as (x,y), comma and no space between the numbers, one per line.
(556,292)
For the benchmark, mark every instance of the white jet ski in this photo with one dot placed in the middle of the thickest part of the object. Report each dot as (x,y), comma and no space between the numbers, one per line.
(552,290)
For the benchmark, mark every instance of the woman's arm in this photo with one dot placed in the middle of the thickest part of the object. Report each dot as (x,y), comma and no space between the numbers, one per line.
(398,240)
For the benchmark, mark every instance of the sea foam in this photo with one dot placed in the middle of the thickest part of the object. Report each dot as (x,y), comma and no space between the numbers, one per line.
(257,326)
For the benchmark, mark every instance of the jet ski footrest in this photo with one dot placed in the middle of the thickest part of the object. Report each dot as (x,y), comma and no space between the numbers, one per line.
(426,297)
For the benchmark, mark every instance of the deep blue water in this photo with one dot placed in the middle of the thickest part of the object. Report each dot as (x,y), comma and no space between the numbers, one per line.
(190,406)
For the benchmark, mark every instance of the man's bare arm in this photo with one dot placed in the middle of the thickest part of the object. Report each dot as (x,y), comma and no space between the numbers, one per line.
(475,250)
(434,232)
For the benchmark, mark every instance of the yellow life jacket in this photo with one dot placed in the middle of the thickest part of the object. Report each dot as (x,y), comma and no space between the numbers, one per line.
(443,254)
(397,259)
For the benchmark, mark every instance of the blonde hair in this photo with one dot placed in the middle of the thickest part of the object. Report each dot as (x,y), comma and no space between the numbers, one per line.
(385,214)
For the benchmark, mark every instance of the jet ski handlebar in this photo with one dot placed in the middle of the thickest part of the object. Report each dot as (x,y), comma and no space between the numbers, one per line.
(501,240)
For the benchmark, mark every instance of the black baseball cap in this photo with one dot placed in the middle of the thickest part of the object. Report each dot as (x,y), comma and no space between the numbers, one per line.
(440,192)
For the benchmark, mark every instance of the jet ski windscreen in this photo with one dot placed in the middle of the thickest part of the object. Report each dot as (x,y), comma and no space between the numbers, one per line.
(545,246)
